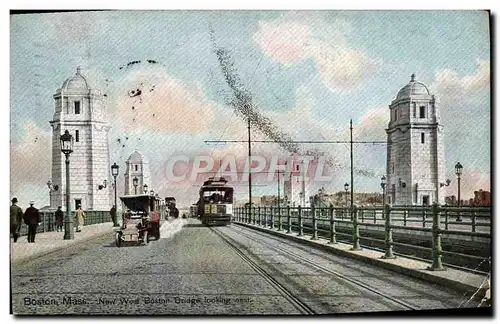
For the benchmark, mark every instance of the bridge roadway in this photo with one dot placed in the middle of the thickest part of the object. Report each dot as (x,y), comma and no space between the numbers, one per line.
(217,270)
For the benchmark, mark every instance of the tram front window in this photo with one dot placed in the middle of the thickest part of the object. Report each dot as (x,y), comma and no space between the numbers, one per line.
(215,196)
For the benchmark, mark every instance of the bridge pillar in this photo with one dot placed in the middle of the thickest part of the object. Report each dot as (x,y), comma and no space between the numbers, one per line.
(333,239)
(388,234)
(301,228)
(355,223)
(437,250)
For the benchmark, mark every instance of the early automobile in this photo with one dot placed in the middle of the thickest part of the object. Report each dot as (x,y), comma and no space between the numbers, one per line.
(141,219)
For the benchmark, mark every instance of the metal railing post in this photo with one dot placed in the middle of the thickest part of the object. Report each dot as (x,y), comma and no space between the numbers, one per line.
(473,220)
(355,223)
(388,234)
(252,214)
(272,216)
(288,219)
(446,219)
(301,228)
(333,239)
(362,212)
(314,223)
(280,225)
(437,251)
(424,216)
(265,216)
(258,213)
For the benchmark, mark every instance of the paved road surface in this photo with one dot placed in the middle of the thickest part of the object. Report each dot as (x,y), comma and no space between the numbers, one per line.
(219,270)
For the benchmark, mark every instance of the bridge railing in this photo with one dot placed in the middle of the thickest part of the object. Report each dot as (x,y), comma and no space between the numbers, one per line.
(427,223)
(48,220)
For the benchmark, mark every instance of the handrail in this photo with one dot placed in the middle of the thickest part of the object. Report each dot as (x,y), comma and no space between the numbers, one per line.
(434,221)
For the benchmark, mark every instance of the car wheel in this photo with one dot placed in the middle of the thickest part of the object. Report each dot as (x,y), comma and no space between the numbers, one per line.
(118,239)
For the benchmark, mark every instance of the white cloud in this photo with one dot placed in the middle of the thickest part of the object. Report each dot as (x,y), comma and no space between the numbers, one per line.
(450,88)
(30,161)
(288,40)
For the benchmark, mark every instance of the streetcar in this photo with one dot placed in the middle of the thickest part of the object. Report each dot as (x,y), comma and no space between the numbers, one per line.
(215,205)
(141,219)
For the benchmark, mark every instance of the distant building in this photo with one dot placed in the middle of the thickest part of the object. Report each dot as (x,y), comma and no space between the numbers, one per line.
(269,201)
(415,154)
(451,200)
(137,166)
(481,198)
(81,110)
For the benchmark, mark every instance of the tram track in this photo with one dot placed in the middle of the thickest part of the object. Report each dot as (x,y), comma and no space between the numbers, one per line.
(285,292)
(336,274)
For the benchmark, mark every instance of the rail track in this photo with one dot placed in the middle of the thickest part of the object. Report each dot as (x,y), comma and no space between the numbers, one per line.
(305,261)
(336,274)
(287,294)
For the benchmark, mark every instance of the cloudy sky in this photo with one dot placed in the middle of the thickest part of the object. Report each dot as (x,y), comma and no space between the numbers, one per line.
(309,72)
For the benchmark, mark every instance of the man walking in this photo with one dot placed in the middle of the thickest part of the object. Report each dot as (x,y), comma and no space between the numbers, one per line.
(59,215)
(112,212)
(32,219)
(16,218)
(80,217)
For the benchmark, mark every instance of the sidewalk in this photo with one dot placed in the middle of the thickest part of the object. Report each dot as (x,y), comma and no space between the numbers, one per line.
(475,285)
(48,242)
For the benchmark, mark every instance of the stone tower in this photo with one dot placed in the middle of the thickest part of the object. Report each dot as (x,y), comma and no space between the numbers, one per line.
(81,110)
(137,166)
(294,184)
(415,155)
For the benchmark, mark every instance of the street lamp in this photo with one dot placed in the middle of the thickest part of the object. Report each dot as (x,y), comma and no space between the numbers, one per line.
(114,172)
(458,172)
(145,187)
(346,188)
(67,148)
(383,183)
(135,182)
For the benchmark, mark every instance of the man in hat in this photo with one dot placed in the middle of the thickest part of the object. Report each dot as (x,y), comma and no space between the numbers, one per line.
(32,219)
(59,215)
(16,218)
(79,217)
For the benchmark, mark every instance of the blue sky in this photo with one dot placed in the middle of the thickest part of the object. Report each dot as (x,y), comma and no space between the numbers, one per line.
(310,72)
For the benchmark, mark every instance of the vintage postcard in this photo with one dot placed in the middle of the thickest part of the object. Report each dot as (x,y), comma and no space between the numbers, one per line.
(174,162)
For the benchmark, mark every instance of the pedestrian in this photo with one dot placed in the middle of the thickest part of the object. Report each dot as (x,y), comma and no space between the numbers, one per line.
(112,212)
(16,218)
(79,218)
(174,212)
(32,219)
(59,215)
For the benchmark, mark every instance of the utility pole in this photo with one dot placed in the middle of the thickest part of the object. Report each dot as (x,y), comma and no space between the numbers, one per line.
(249,169)
(278,189)
(352,173)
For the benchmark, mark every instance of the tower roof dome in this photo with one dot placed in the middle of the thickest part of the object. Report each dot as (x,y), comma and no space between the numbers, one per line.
(137,157)
(76,83)
(413,88)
